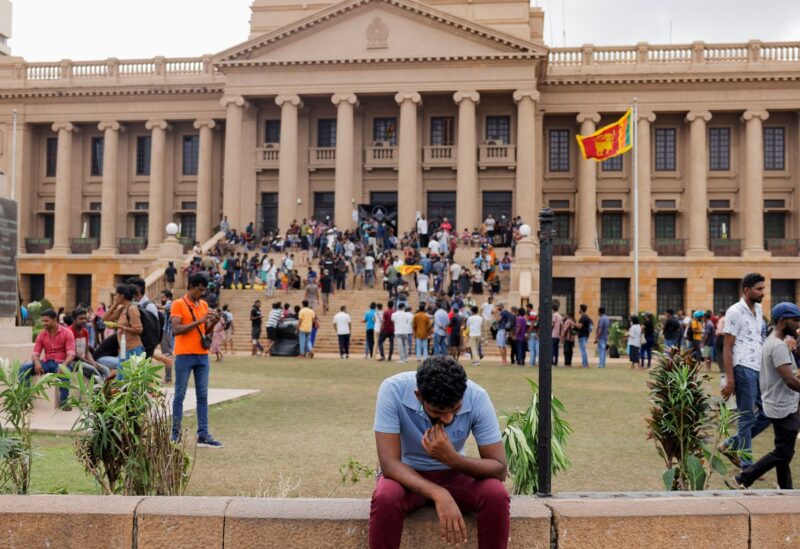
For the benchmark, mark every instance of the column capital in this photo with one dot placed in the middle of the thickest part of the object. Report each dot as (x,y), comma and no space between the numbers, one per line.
(752,114)
(338,98)
(692,116)
(520,95)
(647,116)
(204,123)
(237,100)
(110,125)
(402,97)
(470,95)
(66,126)
(160,124)
(290,99)
(588,117)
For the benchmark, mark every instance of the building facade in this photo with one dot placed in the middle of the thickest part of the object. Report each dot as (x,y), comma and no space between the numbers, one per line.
(445,108)
(5,27)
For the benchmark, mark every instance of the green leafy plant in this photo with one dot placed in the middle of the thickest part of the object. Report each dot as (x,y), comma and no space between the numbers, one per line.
(686,423)
(353,471)
(124,433)
(35,309)
(520,439)
(616,340)
(16,407)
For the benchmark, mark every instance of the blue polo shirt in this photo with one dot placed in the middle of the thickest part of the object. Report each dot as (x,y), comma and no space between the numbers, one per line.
(369,318)
(398,411)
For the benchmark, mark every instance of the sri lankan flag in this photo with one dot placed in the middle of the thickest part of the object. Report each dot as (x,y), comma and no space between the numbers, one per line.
(608,141)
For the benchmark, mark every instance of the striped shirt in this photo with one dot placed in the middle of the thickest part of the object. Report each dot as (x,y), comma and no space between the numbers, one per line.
(273,318)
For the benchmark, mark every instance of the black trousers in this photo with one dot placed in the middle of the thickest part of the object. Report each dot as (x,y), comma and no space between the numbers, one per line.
(344,344)
(780,458)
(556,341)
(568,352)
(370,341)
(383,337)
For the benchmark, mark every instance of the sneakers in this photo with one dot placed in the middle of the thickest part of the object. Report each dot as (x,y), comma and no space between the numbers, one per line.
(209,442)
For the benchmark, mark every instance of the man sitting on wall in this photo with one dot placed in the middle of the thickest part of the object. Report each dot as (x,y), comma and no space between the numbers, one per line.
(58,345)
(422,421)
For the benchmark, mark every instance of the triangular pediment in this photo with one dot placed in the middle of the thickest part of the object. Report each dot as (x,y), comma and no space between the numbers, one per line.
(377,30)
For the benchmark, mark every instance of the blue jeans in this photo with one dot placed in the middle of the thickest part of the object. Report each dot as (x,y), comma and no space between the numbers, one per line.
(601,351)
(748,401)
(184,366)
(533,349)
(421,349)
(584,357)
(49,367)
(440,344)
(305,343)
(669,343)
(402,340)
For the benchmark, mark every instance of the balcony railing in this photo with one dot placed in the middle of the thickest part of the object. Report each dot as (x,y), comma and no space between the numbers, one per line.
(670,246)
(380,157)
(615,246)
(564,246)
(38,245)
(439,156)
(131,245)
(268,158)
(83,245)
(782,247)
(321,157)
(497,156)
(726,247)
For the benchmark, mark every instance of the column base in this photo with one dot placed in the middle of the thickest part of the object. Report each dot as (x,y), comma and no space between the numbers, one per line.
(108,250)
(587,252)
(58,250)
(646,252)
(170,249)
(699,252)
(756,253)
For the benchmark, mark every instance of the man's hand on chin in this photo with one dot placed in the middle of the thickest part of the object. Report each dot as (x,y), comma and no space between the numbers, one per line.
(436,442)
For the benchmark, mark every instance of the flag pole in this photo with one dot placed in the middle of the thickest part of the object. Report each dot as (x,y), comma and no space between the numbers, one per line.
(636,206)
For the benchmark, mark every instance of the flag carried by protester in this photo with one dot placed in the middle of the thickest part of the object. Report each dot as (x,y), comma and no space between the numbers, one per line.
(609,141)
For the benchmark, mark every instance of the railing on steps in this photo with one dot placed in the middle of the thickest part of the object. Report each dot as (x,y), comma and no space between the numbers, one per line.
(157,280)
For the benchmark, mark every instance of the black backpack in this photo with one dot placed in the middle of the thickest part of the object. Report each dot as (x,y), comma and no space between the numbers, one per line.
(152,328)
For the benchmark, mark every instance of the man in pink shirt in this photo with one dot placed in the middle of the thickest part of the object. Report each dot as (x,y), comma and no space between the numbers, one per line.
(58,344)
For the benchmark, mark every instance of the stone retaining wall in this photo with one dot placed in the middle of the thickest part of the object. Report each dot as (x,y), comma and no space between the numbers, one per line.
(719,520)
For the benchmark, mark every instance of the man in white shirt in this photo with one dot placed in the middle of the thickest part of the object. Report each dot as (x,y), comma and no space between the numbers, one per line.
(422,288)
(422,229)
(341,321)
(403,329)
(433,246)
(489,222)
(475,328)
(455,272)
(487,312)
(369,269)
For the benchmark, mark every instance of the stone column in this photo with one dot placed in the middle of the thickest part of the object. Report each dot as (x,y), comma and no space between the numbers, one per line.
(526,198)
(645,195)
(751,193)
(587,193)
(204,179)
(62,219)
(467,160)
(696,193)
(231,197)
(287,167)
(408,184)
(345,164)
(109,213)
(158,177)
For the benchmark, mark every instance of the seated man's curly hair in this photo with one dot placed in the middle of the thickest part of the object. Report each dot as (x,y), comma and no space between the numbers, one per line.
(441,381)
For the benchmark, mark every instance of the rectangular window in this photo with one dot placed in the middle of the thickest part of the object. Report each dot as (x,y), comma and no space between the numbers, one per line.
(94,225)
(726,293)
(497,203)
(612,164)
(83,289)
(143,143)
(324,206)
(669,294)
(775,225)
(191,154)
(272,132)
(49,225)
(141,206)
(189,205)
(36,282)
(611,225)
(774,148)
(326,132)
(719,225)
(719,149)
(52,156)
(614,297)
(189,225)
(442,130)
(565,288)
(384,130)
(665,149)
(559,204)
(97,156)
(666,204)
(140,226)
(665,226)
(783,290)
(561,225)
(558,147)
(498,128)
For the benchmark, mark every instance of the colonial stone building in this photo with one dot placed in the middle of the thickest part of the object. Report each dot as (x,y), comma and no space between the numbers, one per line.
(447,107)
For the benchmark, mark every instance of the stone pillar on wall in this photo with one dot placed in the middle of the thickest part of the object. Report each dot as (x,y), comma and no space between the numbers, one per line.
(287,166)
(158,179)
(345,163)
(408,183)
(696,187)
(205,222)
(586,209)
(110,196)
(467,160)
(231,196)
(64,191)
(526,189)
(752,189)
(645,194)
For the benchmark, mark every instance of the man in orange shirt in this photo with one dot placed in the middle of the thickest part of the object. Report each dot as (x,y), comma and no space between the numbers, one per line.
(191,321)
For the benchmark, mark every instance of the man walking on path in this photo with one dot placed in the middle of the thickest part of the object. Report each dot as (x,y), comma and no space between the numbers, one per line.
(341,321)
(475,328)
(423,326)
(369,321)
(601,336)
(255,328)
(387,331)
(584,329)
(742,358)
(780,388)
(440,323)
(306,316)
(402,321)
(556,333)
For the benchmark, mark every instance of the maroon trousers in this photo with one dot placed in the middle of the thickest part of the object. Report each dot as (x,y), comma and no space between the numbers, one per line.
(391,502)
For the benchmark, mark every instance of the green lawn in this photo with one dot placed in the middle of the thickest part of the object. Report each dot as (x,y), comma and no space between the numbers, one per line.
(311,416)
